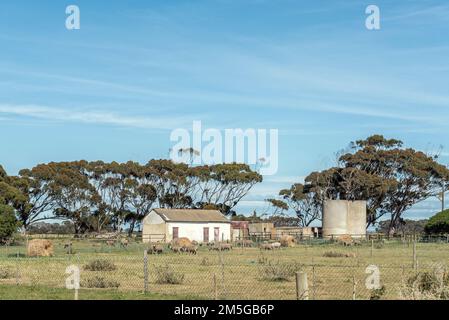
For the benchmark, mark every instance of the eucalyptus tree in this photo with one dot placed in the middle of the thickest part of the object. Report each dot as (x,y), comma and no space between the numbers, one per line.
(9,196)
(405,176)
(305,204)
(223,185)
(381,171)
(74,196)
(37,190)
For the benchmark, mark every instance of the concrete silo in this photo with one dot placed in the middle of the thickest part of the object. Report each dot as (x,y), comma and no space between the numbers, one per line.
(344,217)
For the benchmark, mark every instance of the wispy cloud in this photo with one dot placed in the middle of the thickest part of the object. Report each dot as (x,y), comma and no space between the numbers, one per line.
(90,117)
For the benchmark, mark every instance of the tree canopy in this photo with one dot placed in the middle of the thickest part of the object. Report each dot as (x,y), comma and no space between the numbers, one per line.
(97,195)
(381,171)
(438,224)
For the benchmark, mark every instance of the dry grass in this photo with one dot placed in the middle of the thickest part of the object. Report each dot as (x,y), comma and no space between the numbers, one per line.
(237,272)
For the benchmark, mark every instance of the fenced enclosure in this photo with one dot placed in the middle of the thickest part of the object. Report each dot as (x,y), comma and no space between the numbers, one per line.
(405,269)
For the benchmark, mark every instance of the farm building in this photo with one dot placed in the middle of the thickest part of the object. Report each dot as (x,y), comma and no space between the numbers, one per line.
(239,230)
(306,232)
(164,225)
(260,228)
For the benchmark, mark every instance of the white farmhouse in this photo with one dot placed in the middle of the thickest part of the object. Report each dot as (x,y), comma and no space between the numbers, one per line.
(164,225)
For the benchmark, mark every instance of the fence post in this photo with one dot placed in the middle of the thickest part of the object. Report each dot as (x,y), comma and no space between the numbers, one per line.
(414,255)
(302,286)
(353,288)
(313,281)
(215,287)
(17,269)
(372,247)
(145,271)
(222,271)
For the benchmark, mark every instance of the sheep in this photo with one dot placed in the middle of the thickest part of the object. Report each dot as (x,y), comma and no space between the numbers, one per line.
(276,245)
(155,249)
(266,246)
(221,247)
(175,249)
(110,243)
(190,249)
(124,242)
(246,243)
(68,246)
(226,246)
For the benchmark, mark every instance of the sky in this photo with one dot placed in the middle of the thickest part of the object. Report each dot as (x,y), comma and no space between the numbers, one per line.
(136,70)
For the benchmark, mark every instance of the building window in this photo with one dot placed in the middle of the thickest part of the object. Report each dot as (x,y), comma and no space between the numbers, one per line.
(175,232)
(205,234)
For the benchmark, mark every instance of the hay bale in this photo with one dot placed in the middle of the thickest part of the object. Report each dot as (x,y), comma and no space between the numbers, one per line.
(40,248)
(181,242)
(287,241)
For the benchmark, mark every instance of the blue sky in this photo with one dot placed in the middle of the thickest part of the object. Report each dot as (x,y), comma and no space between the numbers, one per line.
(115,89)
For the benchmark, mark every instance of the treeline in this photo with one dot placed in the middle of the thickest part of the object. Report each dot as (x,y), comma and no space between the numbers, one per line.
(96,196)
(390,177)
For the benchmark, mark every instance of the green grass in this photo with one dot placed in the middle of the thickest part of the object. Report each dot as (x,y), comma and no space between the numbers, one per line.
(14,292)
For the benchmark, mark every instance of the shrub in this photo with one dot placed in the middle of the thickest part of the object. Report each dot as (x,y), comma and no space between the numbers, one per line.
(100,283)
(376,294)
(6,274)
(100,265)
(205,262)
(333,254)
(427,285)
(262,259)
(379,245)
(439,223)
(166,275)
(279,271)
(16,255)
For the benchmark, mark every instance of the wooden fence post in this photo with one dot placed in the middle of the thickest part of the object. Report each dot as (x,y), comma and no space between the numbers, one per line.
(414,255)
(17,269)
(145,271)
(372,247)
(313,281)
(354,283)
(302,286)
(215,287)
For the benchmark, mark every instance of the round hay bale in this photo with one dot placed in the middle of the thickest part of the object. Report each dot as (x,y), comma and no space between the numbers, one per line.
(40,248)
(287,241)
(181,242)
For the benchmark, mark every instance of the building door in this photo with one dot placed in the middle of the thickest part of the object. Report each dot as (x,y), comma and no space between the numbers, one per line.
(205,234)
(175,232)
(217,234)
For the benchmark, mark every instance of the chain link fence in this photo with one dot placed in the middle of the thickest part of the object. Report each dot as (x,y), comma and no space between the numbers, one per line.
(320,271)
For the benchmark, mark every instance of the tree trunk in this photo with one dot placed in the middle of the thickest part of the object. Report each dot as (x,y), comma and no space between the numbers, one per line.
(131,227)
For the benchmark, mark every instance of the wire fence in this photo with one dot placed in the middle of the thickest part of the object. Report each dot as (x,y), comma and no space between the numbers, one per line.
(321,271)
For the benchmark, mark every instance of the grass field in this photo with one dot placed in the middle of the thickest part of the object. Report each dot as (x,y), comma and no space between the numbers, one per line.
(238,274)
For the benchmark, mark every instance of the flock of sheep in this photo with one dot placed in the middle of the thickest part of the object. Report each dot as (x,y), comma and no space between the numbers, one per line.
(44,248)
(184,245)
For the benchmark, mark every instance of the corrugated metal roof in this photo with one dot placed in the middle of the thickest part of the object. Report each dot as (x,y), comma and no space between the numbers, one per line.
(191,215)
(240,224)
